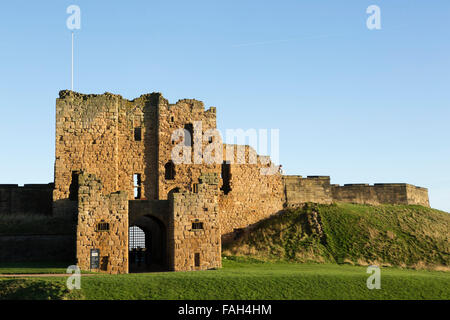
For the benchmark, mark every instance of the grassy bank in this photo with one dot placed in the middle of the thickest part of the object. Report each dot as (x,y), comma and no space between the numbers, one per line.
(243,279)
(389,235)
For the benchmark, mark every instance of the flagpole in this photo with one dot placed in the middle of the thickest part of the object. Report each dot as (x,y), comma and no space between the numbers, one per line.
(72,62)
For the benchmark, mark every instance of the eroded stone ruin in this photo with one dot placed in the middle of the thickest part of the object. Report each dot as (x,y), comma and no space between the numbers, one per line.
(137,209)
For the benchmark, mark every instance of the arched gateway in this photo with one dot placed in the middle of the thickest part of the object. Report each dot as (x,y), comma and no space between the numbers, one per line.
(147,245)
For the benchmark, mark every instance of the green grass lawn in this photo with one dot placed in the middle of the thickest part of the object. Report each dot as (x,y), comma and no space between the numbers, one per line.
(34,268)
(242,279)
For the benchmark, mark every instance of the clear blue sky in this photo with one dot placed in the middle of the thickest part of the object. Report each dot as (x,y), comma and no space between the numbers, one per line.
(362,106)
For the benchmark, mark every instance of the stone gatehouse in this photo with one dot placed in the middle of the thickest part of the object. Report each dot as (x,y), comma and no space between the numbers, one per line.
(138,210)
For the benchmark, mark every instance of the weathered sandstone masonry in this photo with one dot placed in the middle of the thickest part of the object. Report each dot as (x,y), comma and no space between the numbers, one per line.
(103,226)
(196,228)
(248,194)
(300,190)
(379,193)
(104,135)
(318,189)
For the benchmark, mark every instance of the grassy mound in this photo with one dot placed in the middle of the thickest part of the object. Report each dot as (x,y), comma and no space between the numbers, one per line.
(406,236)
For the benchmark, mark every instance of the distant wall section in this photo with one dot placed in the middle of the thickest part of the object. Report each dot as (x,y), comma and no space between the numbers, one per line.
(417,195)
(381,193)
(299,190)
(29,199)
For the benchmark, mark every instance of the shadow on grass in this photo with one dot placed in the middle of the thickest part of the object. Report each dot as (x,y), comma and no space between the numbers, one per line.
(33,267)
(35,289)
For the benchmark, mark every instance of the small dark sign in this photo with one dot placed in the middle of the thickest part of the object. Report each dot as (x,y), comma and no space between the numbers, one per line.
(95,258)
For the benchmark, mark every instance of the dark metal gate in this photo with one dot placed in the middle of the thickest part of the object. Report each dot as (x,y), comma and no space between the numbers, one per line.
(137,245)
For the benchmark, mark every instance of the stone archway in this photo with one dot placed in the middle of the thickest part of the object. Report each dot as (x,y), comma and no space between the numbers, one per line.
(147,245)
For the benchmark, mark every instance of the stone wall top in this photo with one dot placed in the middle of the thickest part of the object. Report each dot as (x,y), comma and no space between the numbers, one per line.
(378,185)
(63,94)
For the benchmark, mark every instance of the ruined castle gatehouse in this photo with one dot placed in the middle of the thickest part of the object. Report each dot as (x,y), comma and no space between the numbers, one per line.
(138,209)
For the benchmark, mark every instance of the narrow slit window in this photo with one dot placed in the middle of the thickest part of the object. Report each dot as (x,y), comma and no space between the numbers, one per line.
(197,259)
(188,135)
(226,177)
(195,188)
(137,182)
(138,134)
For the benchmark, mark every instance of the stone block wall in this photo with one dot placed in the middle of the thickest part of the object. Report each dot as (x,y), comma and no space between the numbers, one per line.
(195,226)
(300,190)
(95,212)
(96,134)
(253,195)
(381,193)
(37,248)
(318,189)
(176,116)
(417,195)
(367,194)
(29,199)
